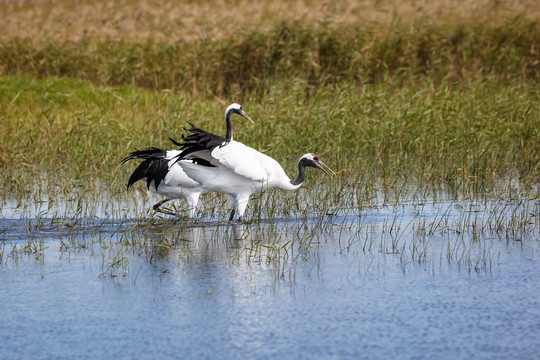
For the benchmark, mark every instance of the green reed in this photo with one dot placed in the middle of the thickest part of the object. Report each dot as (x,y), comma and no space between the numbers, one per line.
(61,135)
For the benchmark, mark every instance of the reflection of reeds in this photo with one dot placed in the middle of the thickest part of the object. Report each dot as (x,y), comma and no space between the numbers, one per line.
(467,235)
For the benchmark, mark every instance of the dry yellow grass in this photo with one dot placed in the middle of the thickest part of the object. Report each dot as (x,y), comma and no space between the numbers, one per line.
(173,21)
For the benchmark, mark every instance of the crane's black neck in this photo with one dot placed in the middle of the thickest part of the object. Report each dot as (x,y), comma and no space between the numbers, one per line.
(301,172)
(228,134)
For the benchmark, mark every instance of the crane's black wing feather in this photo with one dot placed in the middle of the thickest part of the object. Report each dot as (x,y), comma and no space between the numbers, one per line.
(198,140)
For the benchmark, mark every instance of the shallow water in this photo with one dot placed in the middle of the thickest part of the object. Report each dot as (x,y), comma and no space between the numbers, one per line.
(407,281)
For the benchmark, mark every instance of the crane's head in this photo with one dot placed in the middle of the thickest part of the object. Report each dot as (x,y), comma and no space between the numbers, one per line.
(313,161)
(236,108)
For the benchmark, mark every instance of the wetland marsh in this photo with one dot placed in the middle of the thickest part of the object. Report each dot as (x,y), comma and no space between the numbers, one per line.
(426,244)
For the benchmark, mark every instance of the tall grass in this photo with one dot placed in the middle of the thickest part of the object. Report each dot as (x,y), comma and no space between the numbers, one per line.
(316,54)
(66,132)
(385,91)
(173,21)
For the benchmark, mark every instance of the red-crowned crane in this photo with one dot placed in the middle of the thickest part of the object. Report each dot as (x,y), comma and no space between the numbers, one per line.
(165,176)
(237,170)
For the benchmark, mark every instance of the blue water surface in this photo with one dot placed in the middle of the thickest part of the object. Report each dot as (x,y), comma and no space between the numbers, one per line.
(205,299)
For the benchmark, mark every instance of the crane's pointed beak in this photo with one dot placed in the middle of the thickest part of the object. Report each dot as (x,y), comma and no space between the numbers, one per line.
(326,169)
(243,113)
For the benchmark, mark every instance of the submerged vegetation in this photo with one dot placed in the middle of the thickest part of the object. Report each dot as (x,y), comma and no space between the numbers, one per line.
(468,235)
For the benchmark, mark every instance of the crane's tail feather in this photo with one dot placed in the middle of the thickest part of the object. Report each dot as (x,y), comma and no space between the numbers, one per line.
(154,167)
(152,153)
(138,174)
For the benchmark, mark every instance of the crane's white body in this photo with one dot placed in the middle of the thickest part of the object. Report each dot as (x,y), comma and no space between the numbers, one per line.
(238,172)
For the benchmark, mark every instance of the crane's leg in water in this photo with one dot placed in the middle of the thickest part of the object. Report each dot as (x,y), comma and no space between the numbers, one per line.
(157,208)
